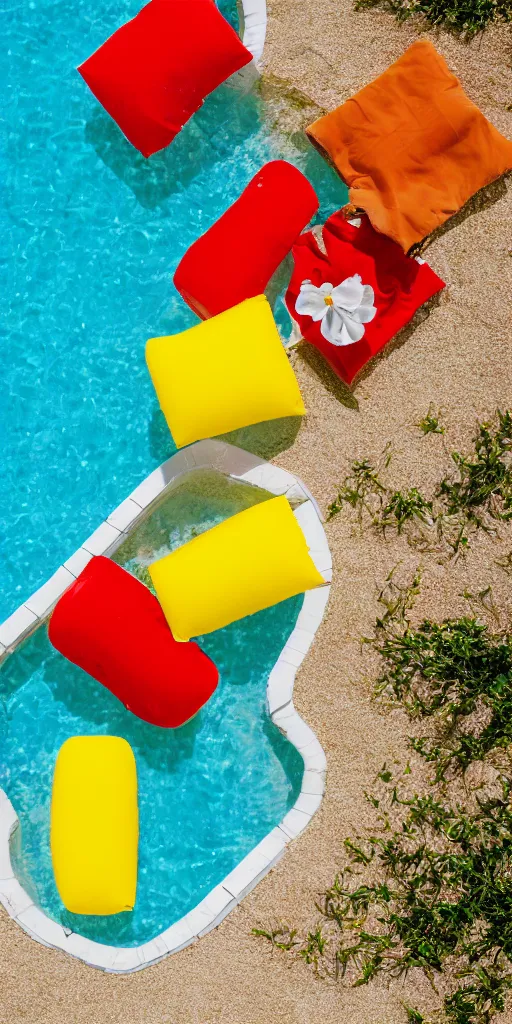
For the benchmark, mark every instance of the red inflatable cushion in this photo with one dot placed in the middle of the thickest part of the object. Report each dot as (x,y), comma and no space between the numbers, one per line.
(112,626)
(155,71)
(235,259)
(400,284)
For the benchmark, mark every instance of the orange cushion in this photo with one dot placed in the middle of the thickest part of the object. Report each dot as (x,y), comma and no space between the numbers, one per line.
(411,146)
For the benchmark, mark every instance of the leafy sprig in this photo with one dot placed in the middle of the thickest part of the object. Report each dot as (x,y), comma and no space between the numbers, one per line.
(477,495)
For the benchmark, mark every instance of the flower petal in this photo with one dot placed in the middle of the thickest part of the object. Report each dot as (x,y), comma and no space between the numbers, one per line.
(368,295)
(310,301)
(332,326)
(339,329)
(349,293)
(353,327)
(365,314)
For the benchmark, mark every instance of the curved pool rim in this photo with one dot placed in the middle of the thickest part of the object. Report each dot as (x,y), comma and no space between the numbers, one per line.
(254,28)
(239,465)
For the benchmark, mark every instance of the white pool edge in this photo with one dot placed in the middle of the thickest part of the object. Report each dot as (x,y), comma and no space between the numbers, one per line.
(255,27)
(241,465)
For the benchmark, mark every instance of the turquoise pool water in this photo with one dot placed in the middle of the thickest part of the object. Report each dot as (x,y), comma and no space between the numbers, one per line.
(91,234)
(208,792)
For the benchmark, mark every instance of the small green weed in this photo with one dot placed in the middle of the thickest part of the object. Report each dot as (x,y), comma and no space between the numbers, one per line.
(361,485)
(414,1016)
(484,480)
(447,672)
(478,495)
(396,600)
(314,948)
(505,563)
(281,937)
(483,601)
(402,507)
(430,423)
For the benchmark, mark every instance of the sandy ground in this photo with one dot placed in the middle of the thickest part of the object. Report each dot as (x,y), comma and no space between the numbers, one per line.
(459,359)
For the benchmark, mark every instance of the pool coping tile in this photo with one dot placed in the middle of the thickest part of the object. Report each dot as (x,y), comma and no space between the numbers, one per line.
(13,897)
(48,595)
(255,27)
(77,562)
(38,924)
(125,514)
(246,873)
(13,629)
(103,539)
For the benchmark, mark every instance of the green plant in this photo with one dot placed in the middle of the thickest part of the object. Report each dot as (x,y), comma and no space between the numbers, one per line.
(430,886)
(482,488)
(414,1016)
(449,671)
(505,563)
(466,17)
(484,479)
(281,937)
(484,601)
(402,507)
(479,493)
(314,948)
(444,892)
(359,486)
(430,423)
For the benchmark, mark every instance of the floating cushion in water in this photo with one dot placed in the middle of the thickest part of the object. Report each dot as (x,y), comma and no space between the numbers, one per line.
(250,561)
(225,373)
(412,146)
(400,286)
(94,825)
(237,256)
(155,71)
(112,626)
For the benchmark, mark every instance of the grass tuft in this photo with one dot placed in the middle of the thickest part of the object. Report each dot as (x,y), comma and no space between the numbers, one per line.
(358,490)
(448,672)
(281,937)
(430,423)
(476,496)
(404,506)
(505,563)
(484,479)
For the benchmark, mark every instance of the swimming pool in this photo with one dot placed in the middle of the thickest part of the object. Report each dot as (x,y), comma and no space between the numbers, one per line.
(91,236)
(197,818)
(95,233)
(208,792)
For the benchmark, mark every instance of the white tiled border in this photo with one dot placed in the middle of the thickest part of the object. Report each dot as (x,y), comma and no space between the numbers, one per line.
(255,26)
(240,465)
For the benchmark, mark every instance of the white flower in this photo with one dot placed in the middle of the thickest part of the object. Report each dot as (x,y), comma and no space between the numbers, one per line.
(343,310)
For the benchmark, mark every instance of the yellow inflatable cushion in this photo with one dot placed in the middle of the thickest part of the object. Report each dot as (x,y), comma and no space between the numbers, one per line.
(225,373)
(246,563)
(94,825)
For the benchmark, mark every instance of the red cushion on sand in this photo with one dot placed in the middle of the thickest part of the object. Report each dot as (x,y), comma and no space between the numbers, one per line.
(112,626)
(235,259)
(400,284)
(155,71)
